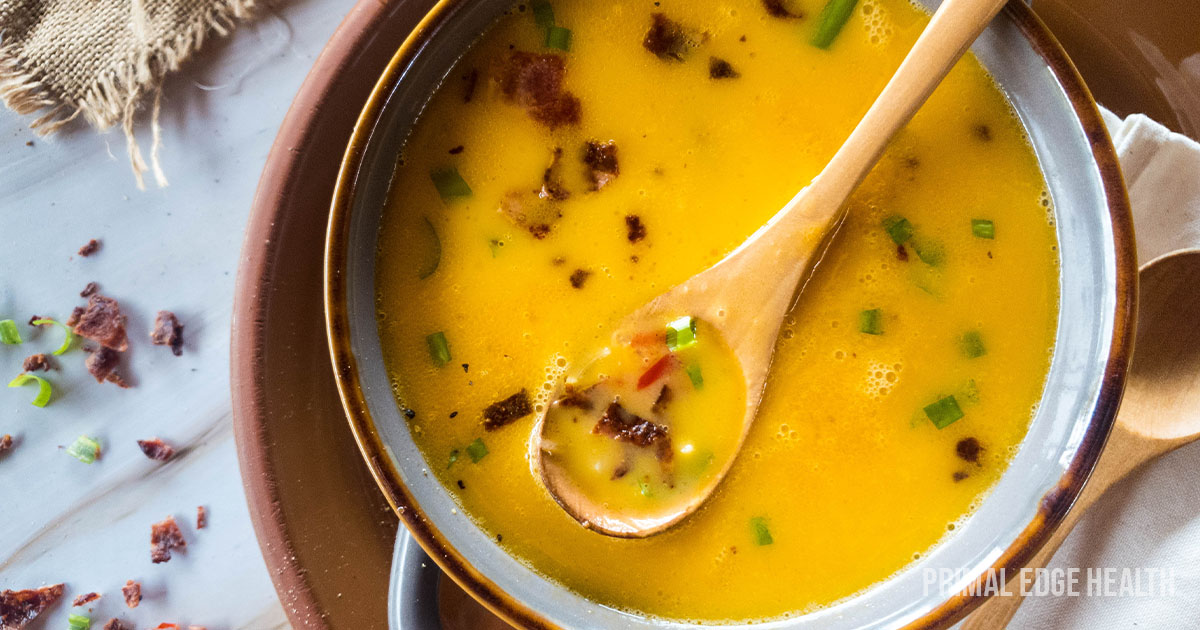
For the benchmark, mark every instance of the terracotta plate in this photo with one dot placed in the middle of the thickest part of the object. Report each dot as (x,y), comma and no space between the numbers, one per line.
(324,527)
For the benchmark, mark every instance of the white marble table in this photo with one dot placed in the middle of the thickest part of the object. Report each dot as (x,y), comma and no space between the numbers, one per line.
(177,248)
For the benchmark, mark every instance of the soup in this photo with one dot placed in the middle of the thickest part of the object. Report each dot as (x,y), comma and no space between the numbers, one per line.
(584,157)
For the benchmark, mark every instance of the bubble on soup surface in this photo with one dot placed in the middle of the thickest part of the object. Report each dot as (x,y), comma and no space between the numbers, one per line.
(880,379)
(876,21)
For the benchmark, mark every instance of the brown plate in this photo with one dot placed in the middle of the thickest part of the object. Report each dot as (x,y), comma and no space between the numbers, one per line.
(325,529)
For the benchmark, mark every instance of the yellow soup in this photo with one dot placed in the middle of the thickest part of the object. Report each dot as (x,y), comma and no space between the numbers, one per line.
(546,193)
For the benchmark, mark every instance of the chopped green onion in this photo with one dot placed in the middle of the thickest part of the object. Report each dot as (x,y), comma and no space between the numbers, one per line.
(558,37)
(930,252)
(79,622)
(871,322)
(453,457)
(644,488)
(694,373)
(44,389)
(543,13)
(85,449)
(762,534)
(477,450)
(9,333)
(944,412)
(983,228)
(433,256)
(66,344)
(450,184)
(833,17)
(898,228)
(439,349)
(681,333)
(972,344)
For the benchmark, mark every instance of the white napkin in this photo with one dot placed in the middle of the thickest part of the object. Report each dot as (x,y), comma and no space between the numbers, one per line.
(1152,518)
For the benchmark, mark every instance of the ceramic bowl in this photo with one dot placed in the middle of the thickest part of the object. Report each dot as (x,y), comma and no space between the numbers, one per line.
(1083,388)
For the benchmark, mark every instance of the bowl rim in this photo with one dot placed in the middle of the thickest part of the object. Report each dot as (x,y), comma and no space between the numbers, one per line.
(1054,504)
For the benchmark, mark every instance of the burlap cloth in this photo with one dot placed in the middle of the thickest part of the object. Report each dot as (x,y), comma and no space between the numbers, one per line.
(102,59)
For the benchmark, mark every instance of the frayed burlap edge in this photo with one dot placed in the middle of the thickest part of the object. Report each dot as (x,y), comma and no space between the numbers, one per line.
(118,91)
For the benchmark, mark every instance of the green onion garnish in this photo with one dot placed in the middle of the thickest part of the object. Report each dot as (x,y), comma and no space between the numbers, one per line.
(972,344)
(681,333)
(79,622)
(9,333)
(983,228)
(558,37)
(453,457)
(85,449)
(833,17)
(70,335)
(543,13)
(944,412)
(433,256)
(450,184)
(898,228)
(762,534)
(694,373)
(871,322)
(477,450)
(439,349)
(44,389)
(644,488)
(930,252)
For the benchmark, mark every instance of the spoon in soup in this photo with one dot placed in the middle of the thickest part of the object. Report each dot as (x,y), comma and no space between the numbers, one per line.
(637,439)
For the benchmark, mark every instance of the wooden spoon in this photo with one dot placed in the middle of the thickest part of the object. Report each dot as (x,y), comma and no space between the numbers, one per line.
(747,294)
(1160,411)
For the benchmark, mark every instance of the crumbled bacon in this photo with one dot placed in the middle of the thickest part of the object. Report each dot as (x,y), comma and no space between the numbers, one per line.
(73,318)
(535,215)
(623,426)
(667,39)
(635,230)
(552,188)
(601,161)
(578,277)
(507,411)
(573,397)
(102,322)
(168,332)
(102,363)
(89,290)
(154,448)
(132,592)
(664,399)
(36,362)
(85,599)
(901,253)
(90,248)
(34,318)
(534,81)
(18,608)
(201,517)
(115,624)
(778,9)
(720,69)
(6,442)
(968,449)
(165,536)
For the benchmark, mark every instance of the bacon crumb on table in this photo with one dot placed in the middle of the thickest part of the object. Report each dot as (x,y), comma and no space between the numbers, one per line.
(102,365)
(89,290)
(6,442)
(90,248)
(132,592)
(168,332)
(165,536)
(115,624)
(86,598)
(201,517)
(18,608)
(35,362)
(101,321)
(156,449)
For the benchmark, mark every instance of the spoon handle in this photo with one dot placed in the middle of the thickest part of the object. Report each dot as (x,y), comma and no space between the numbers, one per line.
(954,26)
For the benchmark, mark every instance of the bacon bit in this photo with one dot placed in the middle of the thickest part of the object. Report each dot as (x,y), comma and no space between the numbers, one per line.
(167,332)
(456,150)
(623,426)
(85,599)
(664,398)
(35,318)
(959,475)
(115,624)
(101,364)
(165,536)
(578,277)
(667,38)
(73,319)
(635,230)
(655,372)
(507,411)
(132,592)
(36,362)
(601,161)
(201,517)
(18,608)
(6,442)
(90,248)
(552,188)
(534,81)
(720,69)
(156,449)
(89,290)
(102,322)
(968,449)
(777,9)
(901,253)
(572,397)
(535,215)
(982,132)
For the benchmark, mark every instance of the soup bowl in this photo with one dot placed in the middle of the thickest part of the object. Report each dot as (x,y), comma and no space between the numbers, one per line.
(1092,348)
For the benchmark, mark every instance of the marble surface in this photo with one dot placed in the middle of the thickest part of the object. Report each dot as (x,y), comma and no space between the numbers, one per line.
(177,248)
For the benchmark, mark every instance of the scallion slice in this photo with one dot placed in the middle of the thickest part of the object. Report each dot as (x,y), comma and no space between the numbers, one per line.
(453,457)
(871,322)
(694,373)
(681,333)
(439,348)
(433,256)
(79,622)
(70,335)
(644,488)
(898,228)
(543,13)
(558,37)
(85,449)
(833,17)
(983,228)
(931,252)
(477,450)
(450,185)
(9,333)
(944,412)
(762,534)
(972,344)
(44,389)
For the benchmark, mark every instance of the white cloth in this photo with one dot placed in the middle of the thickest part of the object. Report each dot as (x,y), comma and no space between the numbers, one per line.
(1152,518)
